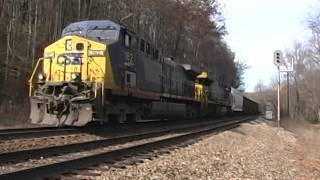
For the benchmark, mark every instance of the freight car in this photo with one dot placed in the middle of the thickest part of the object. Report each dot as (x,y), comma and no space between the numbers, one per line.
(102,71)
(241,104)
(236,101)
(250,107)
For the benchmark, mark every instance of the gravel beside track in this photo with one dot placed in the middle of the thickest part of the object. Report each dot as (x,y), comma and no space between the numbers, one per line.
(89,135)
(73,161)
(255,150)
(65,157)
(252,151)
(26,144)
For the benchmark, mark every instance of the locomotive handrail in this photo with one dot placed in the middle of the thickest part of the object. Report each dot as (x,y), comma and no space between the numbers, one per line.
(32,76)
(101,72)
(101,75)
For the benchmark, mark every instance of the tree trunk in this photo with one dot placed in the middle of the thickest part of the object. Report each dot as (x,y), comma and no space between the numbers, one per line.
(6,74)
(79,9)
(34,42)
(177,43)
(2,8)
(89,9)
(29,29)
(298,107)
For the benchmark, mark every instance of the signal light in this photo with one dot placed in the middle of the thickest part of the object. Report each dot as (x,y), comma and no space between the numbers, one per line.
(278,58)
(75,77)
(41,77)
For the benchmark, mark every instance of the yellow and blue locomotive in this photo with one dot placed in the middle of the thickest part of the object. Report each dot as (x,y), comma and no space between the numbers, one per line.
(102,71)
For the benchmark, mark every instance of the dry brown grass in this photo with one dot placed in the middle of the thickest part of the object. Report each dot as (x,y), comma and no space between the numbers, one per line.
(308,136)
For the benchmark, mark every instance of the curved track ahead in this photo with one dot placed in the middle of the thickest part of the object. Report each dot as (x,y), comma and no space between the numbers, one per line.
(97,158)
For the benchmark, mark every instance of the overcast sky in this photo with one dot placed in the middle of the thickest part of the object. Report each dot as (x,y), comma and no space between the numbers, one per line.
(258,27)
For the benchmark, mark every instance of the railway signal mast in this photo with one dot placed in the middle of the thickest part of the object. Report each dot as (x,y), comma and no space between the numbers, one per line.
(278,60)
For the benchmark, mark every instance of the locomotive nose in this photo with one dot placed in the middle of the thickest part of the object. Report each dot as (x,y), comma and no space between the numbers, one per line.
(72,76)
(74,59)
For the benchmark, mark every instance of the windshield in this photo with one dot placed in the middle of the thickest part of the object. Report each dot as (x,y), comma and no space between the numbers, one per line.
(103,35)
(74,31)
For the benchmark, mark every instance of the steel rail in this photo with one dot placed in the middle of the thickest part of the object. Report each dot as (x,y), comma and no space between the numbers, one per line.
(91,160)
(18,133)
(9,134)
(22,155)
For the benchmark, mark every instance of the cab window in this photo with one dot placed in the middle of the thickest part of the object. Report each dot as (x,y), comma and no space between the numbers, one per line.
(142,45)
(156,54)
(127,40)
(130,41)
(134,42)
(148,48)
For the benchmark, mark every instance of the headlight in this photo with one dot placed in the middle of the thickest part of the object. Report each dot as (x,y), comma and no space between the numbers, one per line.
(69,45)
(75,76)
(40,77)
(49,55)
(96,53)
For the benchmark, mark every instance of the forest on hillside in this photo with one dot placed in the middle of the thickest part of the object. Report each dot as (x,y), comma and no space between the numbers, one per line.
(189,31)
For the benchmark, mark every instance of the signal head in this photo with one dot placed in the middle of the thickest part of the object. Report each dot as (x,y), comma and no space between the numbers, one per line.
(278,58)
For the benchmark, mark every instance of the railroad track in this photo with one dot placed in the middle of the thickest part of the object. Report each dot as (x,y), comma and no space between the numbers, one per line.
(17,156)
(88,154)
(9,134)
(89,133)
(19,133)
